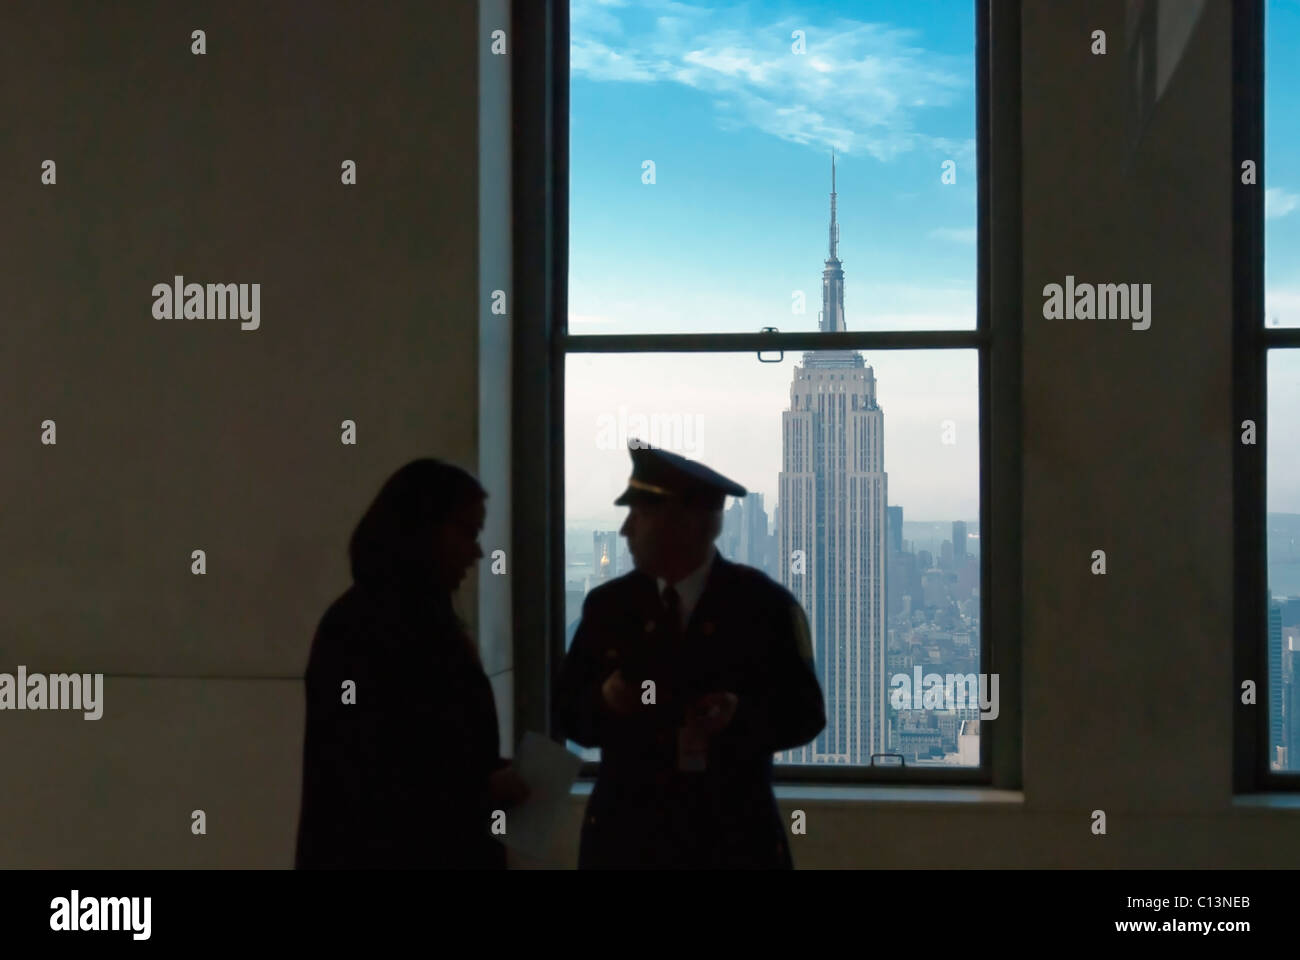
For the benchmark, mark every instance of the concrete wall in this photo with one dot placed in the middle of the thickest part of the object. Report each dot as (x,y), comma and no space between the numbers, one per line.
(175,435)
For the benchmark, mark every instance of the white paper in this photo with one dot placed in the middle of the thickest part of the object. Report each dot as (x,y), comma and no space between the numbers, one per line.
(549,770)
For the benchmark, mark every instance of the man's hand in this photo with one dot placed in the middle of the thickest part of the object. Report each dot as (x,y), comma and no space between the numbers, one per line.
(711,713)
(620,697)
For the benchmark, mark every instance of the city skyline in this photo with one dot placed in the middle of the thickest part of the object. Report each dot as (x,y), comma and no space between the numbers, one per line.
(874,602)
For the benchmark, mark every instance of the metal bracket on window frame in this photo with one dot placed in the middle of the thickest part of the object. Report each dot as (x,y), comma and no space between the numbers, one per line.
(759,353)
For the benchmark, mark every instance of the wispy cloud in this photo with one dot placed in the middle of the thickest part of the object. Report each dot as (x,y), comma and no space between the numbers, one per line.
(954,234)
(859,87)
(1278,202)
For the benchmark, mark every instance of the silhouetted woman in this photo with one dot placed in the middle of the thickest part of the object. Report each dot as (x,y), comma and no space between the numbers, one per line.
(400,758)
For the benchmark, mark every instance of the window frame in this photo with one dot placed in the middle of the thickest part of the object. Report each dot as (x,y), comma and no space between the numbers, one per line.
(540,107)
(1252,340)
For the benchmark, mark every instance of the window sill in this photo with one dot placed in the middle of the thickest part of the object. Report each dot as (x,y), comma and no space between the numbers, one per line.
(910,795)
(1267,801)
(907,796)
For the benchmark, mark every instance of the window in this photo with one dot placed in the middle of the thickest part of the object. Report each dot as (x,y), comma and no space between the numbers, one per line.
(1267,337)
(782,257)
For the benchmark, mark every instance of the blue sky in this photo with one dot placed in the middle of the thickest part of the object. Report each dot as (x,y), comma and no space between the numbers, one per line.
(1282,163)
(740,129)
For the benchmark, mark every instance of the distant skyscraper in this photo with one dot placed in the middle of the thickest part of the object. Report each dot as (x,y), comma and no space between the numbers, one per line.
(732,521)
(833,491)
(1291,703)
(968,743)
(933,591)
(604,555)
(893,559)
(745,537)
(753,547)
(959,541)
(1274,678)
(894,524)
(903,582)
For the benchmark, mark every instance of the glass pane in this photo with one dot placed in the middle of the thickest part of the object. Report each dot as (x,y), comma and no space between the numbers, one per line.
(701,194)
(871,469)
(1283,546)
(1281,152)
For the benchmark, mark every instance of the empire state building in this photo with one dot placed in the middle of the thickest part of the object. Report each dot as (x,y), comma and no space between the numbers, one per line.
(833,491)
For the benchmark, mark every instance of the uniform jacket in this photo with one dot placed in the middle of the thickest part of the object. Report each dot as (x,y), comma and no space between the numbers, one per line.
(747,635)
(398,779)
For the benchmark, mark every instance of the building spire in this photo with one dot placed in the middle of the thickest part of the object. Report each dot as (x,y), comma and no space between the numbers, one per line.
(831,317)
(834,227)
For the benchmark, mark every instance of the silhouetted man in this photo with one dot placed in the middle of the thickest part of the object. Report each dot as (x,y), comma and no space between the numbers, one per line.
(689,673)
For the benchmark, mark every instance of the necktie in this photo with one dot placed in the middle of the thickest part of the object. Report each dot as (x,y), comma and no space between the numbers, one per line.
(673,609)
(692,749)
(670,650)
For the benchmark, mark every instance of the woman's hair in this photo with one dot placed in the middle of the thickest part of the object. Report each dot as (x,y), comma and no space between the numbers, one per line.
(393,545)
